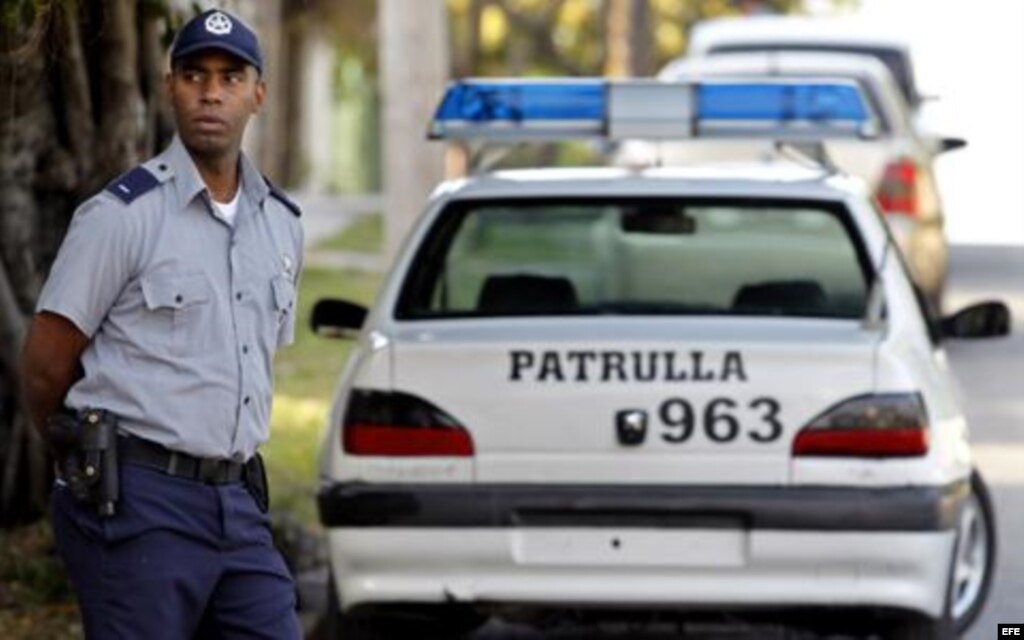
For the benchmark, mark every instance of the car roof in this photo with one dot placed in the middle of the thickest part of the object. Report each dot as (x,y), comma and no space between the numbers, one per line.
(792,29)
(812,33)
(776,179)
(778,62)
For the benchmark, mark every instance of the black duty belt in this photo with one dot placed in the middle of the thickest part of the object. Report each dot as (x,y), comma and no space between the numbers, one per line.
(181,465)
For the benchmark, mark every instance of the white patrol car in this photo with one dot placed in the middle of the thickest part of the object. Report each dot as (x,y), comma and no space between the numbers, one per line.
(665,390)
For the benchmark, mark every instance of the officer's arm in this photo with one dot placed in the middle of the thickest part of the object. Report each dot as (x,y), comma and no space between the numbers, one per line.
(50,364)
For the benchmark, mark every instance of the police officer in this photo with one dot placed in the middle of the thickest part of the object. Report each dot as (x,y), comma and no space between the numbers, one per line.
(169,295)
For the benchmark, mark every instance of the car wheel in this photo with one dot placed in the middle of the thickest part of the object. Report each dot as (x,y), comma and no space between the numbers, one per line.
(919,627)
(974,558)
(340,626)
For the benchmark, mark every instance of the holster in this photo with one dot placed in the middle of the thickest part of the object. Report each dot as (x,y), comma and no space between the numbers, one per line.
(255,474)
(84,444)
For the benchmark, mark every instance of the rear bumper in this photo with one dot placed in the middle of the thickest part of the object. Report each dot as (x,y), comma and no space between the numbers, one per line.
(694,570)
(642,547)
(908,509)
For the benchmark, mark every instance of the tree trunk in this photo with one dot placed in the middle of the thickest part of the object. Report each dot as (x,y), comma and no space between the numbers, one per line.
(628,34)
(640,38)
(414,68)
(71,80)
(619,57)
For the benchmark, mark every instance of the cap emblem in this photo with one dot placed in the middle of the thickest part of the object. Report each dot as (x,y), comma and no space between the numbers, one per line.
(219,24)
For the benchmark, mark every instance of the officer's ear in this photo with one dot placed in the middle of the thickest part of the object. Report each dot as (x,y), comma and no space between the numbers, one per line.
(261,93)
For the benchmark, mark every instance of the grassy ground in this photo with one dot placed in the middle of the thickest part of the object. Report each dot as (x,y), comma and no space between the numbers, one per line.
(35,598)
(364,235)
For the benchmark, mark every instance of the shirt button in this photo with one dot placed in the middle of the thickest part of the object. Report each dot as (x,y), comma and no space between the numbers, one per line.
(238,296)
(245,400)
(245,348)
(178,298)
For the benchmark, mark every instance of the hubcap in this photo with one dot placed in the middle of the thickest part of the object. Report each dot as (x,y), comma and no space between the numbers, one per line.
(971,558)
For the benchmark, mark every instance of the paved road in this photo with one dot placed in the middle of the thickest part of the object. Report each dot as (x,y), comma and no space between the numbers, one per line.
(991,374)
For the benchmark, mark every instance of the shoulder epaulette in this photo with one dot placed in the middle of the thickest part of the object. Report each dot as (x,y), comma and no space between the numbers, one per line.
(132,184)
(285,200)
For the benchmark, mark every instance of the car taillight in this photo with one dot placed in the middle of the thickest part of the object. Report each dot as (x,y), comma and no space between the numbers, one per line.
(391,423)
(898,191)
(871,426)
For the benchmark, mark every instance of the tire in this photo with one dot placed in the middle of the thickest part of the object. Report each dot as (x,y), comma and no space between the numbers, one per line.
(438,622)
(974,557)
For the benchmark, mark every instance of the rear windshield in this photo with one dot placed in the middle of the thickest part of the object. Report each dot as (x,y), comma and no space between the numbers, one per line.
(896,60)
(638,257)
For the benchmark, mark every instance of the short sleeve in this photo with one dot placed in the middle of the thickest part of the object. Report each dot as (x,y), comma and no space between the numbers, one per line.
(286,334)
(94,263)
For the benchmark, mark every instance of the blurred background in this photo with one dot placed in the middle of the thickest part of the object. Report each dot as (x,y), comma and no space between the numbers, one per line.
(352,84)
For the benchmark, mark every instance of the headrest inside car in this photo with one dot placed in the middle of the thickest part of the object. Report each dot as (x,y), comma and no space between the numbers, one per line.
(527,294)
(784,297)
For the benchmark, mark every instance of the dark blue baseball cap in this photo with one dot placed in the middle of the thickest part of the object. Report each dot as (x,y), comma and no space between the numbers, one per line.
(217,29)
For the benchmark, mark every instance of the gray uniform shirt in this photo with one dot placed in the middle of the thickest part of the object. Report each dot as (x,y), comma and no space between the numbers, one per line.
(183,310)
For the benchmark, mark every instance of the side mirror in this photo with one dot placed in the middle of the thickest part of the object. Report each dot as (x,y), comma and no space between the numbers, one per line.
(337,318)
(951,144)
(984,320)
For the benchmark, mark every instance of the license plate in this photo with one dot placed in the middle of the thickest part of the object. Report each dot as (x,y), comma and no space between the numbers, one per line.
(631,547)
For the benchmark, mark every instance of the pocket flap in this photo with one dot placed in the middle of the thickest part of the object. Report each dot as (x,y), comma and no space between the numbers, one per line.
(163,291)
(284,293)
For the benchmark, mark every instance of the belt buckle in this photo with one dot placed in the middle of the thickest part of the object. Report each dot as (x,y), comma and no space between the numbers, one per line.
(210,470)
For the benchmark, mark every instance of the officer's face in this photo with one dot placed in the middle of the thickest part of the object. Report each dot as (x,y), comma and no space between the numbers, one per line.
(214,94)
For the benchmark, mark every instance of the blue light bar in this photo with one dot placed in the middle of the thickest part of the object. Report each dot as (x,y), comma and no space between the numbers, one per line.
(521,109)
(780,102)
(561,109)
(803,110)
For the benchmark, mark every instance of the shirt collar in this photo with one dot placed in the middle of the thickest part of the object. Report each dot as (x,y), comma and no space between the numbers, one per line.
(253,182)
(189,183)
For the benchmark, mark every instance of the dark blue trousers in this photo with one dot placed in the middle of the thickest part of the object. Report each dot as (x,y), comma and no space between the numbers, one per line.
(179,560)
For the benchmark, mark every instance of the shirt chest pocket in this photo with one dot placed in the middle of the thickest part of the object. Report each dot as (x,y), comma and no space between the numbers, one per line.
(179,311)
